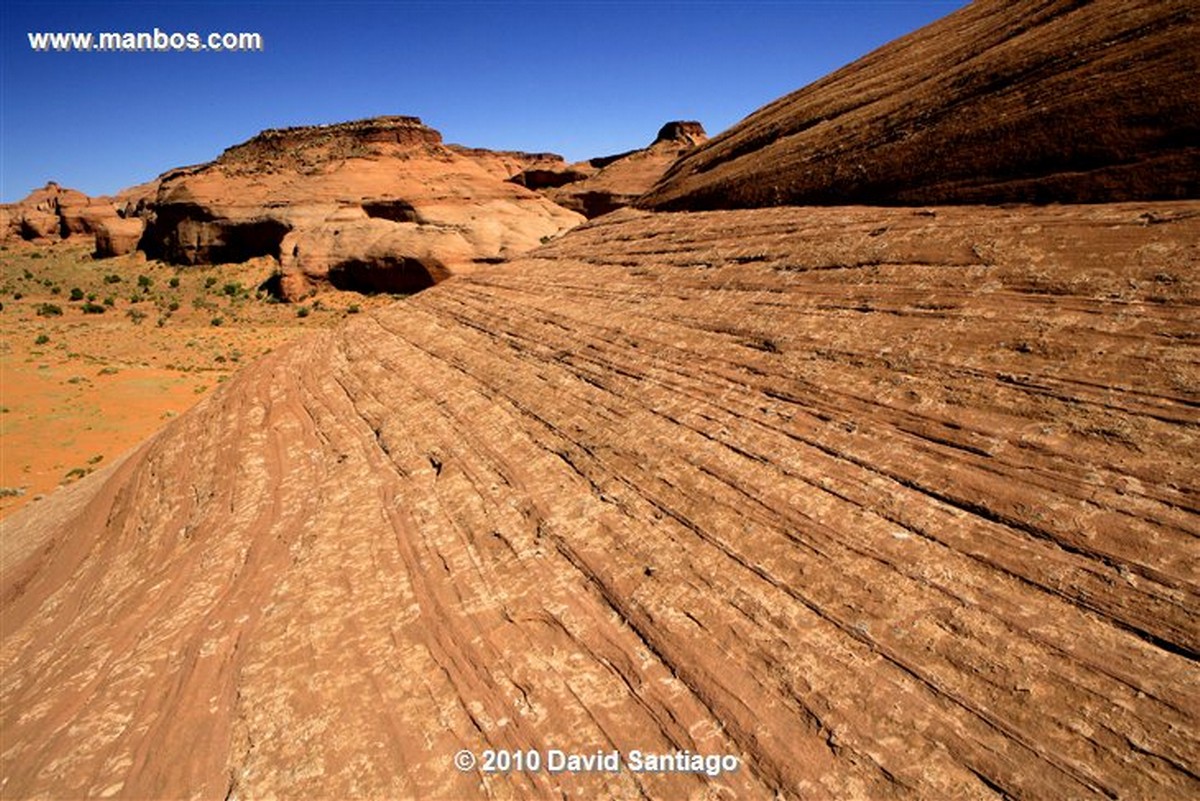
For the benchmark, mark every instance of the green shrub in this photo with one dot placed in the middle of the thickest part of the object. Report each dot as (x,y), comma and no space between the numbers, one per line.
(93,308)
(174,282)
(49,310)
(110,301)
(144,282)
(216,321)
(353,309)
(302,311)
(137,315)
(173,306)
(42,339)
(210,282)
(76,294)
(112,279)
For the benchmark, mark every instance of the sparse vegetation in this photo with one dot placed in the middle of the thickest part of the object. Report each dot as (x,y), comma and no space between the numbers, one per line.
(42,339)
(93,308)
(49,310)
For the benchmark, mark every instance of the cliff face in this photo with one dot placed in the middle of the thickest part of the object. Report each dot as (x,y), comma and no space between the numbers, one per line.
(602,185)
(311,197)
(1028,101)
(886,503)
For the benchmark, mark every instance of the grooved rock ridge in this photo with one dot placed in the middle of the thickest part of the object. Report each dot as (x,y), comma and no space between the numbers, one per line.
(1026,101)
(887,503)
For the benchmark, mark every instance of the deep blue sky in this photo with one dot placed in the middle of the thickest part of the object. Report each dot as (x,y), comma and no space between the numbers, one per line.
(577,78)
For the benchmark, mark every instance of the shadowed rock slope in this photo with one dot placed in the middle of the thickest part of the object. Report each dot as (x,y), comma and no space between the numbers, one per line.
(889,503)
(1027,101)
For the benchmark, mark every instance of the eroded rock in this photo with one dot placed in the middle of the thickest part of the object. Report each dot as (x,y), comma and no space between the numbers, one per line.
(355,200)
(1001,101)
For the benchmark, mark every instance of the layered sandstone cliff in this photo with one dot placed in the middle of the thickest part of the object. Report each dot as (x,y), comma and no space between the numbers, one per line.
(372,205)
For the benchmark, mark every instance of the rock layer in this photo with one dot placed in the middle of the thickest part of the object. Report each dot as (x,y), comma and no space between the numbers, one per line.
(605,184)
(322,198)
(1028,101)
(887,503)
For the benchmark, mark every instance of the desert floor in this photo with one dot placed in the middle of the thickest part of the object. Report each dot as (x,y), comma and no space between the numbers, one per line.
(79,388)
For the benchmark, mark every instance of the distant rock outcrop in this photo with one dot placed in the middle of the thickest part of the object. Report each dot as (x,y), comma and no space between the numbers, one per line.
(372,205)
(53,213)
(604,184)
(1026,100)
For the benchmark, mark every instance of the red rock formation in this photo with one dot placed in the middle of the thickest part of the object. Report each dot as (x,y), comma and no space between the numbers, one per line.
(52,213)
(117,236)
(604,184)
(326,198)
(883,502)
(1032,101)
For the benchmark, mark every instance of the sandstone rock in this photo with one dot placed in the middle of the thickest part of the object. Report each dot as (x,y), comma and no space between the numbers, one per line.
(1001,101)
(886,503)
(330,200)
(605,184)
(117,236)
(54,212)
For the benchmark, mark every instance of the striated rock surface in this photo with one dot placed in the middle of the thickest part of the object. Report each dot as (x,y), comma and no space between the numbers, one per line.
(1027,101)
(889,503)
(326,198)
(601,185)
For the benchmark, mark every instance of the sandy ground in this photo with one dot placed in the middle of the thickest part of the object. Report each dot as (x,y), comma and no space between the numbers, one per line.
(78,389)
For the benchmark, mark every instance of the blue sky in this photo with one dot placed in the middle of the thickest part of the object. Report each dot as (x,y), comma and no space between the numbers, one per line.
(577,78)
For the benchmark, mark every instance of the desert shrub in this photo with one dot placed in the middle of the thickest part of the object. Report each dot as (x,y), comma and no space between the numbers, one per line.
(35,255)
(28,275)
(93,308)
(210,282)
(217,321)
(353,309)
(136,315)
(174,282)
(91,296)
(49,310)
(110,301)
(76,294)
(42,339)
(17,296)
(303,311)
(135,298)
(145,282)
(112,279)
(173,306)
(232,288)
(55,290)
